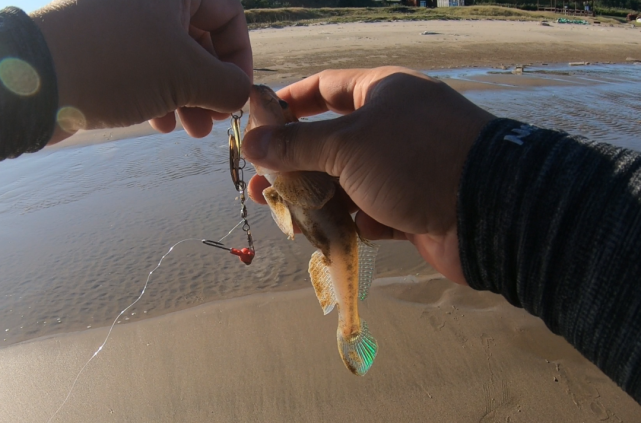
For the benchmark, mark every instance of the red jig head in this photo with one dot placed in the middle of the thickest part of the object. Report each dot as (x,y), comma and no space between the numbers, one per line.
(245,255)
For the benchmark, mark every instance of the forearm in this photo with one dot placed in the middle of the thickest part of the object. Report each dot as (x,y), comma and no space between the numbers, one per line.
(28,92)
(553,223)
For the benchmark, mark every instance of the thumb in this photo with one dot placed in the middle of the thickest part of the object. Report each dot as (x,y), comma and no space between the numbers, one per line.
(307,146)
(212,84)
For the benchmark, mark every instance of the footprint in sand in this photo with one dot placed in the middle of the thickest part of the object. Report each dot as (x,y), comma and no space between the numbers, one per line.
(599,410)
(583,394)
(500,405)
(436,322)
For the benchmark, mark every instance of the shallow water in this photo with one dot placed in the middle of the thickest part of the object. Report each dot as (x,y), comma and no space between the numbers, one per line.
(82,227)
(602,102)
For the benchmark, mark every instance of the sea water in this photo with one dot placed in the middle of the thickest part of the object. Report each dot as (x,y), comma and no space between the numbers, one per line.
(81,227)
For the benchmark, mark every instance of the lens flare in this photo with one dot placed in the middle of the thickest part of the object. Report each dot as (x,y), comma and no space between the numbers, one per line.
(71,119)
(19,76)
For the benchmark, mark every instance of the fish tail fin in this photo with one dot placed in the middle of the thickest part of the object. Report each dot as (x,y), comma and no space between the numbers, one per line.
(358,351)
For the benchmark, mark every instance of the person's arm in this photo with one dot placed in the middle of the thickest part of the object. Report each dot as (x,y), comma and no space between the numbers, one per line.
(115,63)
(553,223)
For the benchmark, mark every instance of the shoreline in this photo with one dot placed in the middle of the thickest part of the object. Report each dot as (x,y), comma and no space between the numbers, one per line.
(497,78)
(409,280)
(452,44)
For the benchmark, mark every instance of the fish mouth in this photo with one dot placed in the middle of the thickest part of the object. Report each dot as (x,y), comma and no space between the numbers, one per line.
(262,95)
(265,107)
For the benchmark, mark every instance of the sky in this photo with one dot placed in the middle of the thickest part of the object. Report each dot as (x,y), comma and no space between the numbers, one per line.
(26,5)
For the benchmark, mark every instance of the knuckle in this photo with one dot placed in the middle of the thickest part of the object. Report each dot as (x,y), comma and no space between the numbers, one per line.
(338,148)
(323,146)
(286,146)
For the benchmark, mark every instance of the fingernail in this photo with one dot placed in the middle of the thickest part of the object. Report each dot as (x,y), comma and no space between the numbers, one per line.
(256,147)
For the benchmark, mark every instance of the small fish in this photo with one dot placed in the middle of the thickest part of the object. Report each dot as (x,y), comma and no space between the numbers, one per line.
(341,269)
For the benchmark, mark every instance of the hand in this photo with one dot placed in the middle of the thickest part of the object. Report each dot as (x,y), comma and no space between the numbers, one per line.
(398,152)
(121,62)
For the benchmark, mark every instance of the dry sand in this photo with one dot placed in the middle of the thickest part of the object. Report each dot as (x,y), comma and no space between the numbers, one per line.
(447,353)
(291,53)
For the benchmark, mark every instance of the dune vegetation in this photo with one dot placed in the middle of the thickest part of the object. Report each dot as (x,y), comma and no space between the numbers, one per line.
(298,16)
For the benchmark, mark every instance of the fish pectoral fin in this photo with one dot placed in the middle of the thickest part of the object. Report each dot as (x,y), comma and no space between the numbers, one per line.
(309,190)
(322,281)
(366,266)
(280,211)
(358,351)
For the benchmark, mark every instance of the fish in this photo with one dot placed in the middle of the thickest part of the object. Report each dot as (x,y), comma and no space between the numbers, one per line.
(342,267)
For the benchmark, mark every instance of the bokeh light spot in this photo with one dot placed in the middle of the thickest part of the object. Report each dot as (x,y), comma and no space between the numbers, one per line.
(71,119)
(19,76)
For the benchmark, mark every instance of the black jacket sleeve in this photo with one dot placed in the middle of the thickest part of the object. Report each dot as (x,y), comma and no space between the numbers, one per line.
(28,87)
(553,223)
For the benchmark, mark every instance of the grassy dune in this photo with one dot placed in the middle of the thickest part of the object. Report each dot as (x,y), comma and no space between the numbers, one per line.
(263,18)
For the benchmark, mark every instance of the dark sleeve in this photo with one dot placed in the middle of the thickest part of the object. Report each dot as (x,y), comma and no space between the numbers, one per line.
(553,223)
(28,88)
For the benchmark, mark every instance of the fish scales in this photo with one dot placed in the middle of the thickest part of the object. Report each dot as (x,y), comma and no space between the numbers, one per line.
(342,267)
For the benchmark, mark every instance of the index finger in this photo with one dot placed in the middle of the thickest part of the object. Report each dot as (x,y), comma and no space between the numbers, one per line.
(324,91)
(341,91)
(226,23)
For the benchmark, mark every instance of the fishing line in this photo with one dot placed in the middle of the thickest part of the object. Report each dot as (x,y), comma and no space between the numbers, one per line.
(228,233)
(246,255)
(144,288)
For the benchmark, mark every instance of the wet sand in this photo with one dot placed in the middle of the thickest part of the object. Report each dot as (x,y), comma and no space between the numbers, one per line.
(82,227)
(447,354)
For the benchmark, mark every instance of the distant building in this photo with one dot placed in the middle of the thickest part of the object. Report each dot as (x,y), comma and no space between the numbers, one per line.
(450,3)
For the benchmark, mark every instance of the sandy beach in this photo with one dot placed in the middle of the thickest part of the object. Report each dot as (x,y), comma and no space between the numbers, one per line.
(213,340)
(447,354)
(290,53)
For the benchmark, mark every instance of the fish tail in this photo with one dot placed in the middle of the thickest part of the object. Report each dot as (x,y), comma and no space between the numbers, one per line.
(358,350)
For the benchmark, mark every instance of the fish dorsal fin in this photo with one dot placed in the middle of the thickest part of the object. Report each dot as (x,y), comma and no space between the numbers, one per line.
(366,266)
(280,211)
(322,281)
(309,190)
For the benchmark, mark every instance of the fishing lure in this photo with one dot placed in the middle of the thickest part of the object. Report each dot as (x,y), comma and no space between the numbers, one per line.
(236,167)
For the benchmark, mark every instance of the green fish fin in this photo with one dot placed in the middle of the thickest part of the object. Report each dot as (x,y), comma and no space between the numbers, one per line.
(280,211)
(309,190)
(322,281)
(358,352)
(366,266)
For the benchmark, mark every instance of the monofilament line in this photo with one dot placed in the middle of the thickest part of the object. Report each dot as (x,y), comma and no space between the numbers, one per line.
(232,230)
(144,288)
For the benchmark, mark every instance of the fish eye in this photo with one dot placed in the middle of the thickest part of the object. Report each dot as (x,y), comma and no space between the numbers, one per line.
(283,104)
